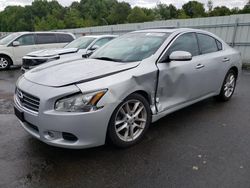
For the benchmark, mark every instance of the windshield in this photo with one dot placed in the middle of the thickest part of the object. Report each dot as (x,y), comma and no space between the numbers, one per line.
(80,43)
(7,39)
(131,47)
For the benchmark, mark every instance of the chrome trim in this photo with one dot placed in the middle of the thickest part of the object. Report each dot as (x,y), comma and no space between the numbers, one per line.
(27,100)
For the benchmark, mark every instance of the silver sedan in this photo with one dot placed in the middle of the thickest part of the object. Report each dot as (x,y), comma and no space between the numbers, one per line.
(132,81)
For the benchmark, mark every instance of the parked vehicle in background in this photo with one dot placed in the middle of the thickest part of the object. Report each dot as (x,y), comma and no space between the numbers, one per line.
(120,89)
(80,48)
(15,45)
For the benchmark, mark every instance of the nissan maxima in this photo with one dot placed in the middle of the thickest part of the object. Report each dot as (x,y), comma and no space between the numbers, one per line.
(125,85)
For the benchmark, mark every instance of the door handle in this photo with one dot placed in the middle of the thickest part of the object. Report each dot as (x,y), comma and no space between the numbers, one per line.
(225,59)
(199,66)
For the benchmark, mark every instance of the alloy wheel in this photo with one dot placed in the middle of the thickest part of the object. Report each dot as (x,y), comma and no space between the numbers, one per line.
(229,85)
(3,63)
(130,120)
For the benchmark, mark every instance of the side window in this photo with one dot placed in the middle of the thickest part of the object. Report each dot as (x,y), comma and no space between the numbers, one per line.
(64,38)
(207,44)
(26,40)
(45,38)
(186,42)
(219,45)
(103,41)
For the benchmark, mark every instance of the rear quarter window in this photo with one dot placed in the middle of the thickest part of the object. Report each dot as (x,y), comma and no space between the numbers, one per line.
(64,38)
(207,43)
(46,38)
(219,45)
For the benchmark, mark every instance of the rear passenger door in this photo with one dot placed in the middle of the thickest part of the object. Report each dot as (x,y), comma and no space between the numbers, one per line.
(46,40)
(64,39)
(211,62)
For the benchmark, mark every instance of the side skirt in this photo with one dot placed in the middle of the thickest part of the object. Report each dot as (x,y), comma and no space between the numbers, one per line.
(178,107)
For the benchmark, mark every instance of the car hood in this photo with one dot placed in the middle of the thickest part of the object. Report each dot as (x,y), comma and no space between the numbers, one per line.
(58,74)
(52,52)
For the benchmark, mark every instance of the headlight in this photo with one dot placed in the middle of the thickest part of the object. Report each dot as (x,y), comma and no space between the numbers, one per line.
(80,102)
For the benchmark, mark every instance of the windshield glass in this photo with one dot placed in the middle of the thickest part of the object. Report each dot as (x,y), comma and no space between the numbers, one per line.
(7,39)
(131,47)
(80,43)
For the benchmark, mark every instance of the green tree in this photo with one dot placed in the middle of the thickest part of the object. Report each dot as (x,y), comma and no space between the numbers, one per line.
(210,5)
(182,15)
(220,11)
(119,13)
(165,12)
(246,8)
(194,9)
(150,14)
(235,10)
(137,15)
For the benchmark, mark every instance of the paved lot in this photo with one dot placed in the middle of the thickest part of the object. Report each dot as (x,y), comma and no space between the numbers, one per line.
(205,145)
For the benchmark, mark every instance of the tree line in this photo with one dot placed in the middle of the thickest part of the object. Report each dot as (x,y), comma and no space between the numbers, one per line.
(49,15)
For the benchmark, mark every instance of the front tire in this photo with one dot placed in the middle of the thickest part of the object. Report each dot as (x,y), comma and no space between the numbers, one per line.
(5,62)
(130,121)
(228,86)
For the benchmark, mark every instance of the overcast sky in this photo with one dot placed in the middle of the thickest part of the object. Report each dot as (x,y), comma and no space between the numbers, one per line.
(142,3)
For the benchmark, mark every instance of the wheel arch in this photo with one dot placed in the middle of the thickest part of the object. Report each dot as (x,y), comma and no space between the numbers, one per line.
(144,94)
(5,55)
(235,69)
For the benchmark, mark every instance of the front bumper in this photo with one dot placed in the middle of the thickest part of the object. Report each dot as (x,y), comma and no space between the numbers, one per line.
(56,128)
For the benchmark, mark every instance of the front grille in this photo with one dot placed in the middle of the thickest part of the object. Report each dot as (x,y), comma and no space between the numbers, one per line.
(28,101)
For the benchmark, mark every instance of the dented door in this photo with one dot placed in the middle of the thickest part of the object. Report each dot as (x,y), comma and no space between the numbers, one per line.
(179,82)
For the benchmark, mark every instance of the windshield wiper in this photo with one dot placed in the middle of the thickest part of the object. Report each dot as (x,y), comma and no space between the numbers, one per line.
(108,59)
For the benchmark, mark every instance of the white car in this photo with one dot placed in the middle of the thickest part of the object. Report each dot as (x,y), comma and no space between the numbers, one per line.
(80,48)
(14,46)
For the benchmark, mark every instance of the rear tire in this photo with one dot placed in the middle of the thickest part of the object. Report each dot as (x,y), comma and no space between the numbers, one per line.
(5,63)
(228,87)
(129,122)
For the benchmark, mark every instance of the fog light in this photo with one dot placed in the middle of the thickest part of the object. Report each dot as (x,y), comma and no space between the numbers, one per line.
(52,135)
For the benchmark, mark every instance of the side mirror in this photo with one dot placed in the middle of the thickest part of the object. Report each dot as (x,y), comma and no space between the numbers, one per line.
(16,43)
(95,47)
(180,56)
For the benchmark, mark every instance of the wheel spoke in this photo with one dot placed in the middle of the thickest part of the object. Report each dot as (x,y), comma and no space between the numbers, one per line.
(138,111)
(118,122)
(131,129)
(122,127)
(126,134)
(138,126)
(140,119)
(231,81)
(123,112)
(135,106)
(127,108)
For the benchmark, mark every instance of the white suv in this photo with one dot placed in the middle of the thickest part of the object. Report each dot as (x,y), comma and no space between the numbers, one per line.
(14,46)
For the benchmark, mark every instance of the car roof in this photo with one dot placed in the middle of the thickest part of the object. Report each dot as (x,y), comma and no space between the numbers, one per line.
(100,36)
(43,32)
(168,30)
(178,31)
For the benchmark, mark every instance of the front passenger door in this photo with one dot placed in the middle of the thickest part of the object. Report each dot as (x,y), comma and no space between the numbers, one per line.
(26,45)
(179,81)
